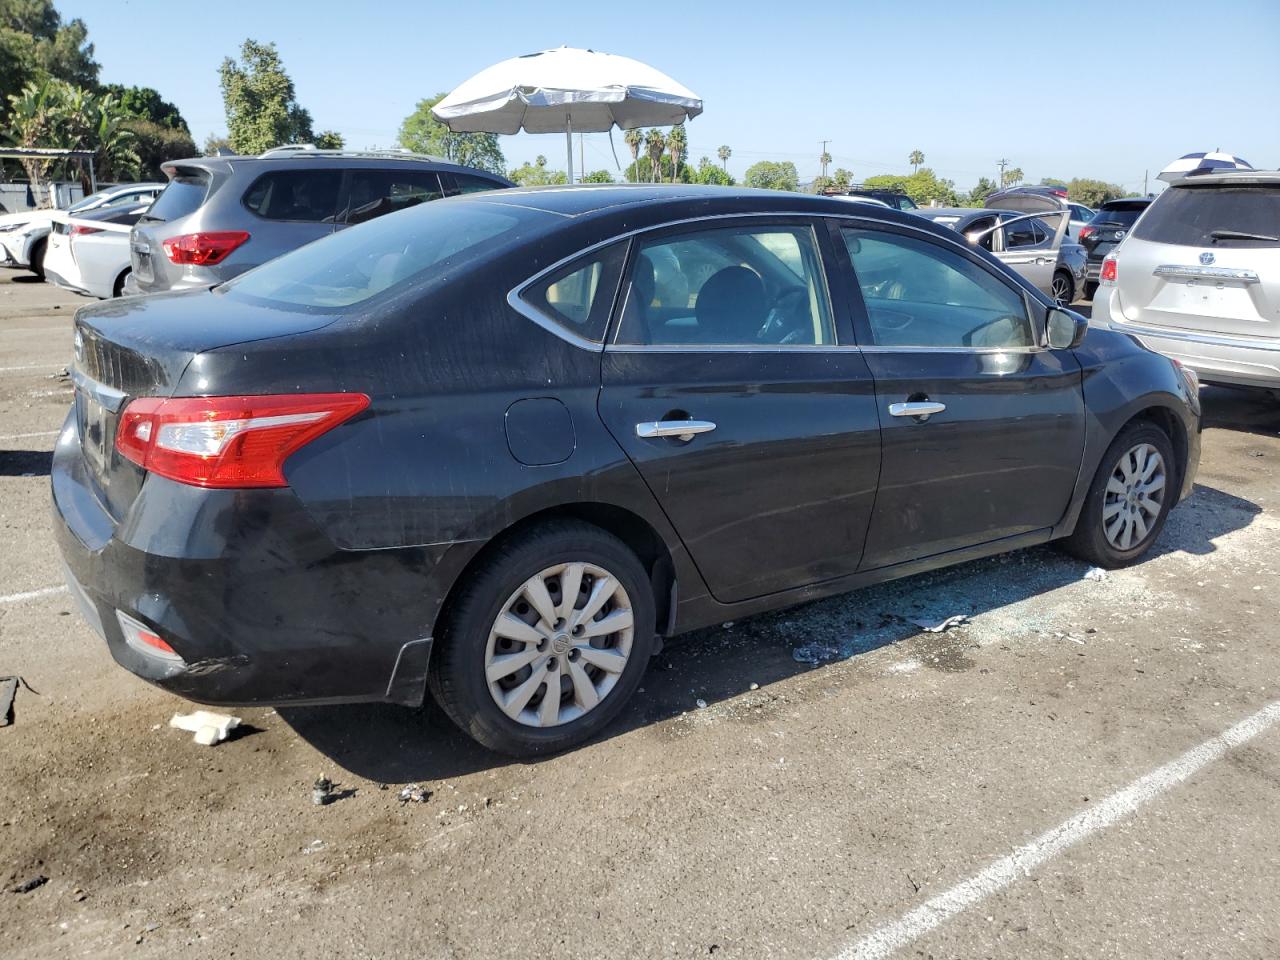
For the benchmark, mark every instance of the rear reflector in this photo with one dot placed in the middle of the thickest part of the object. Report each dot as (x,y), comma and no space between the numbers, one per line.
(203,249)
(1108,274)
(145,640)
(228,441)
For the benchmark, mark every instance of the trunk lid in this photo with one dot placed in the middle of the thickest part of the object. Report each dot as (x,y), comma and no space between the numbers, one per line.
(1206,258)
(140,347)
(189,187)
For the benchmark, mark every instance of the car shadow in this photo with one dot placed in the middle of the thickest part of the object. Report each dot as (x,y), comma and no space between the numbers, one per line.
(25,463)
(26,278)
(1241,409)
(388,744)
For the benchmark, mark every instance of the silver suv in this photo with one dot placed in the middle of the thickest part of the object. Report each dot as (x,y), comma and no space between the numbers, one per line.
(1198,278)
(220,216)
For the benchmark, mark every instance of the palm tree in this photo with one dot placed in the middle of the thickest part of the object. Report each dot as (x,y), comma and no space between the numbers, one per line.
(825,160)
(724,153)
(634,138)
(677,144)
(915,160)
(654,143)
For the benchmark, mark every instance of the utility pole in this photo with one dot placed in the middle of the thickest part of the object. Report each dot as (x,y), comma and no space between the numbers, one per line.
(1144,182)
(822,158)
(1001,163)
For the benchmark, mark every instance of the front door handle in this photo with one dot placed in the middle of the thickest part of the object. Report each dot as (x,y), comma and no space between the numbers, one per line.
(920,409)
(680,429)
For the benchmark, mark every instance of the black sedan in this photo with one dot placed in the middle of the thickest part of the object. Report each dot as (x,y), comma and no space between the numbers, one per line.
(495,446)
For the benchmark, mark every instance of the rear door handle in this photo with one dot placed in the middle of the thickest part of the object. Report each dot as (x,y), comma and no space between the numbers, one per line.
(680,429)
(921,409)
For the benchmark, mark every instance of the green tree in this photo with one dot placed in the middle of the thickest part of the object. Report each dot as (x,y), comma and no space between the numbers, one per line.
(841,178)
(1093,193)
(916,160)
(711,175)
(262,111)
(821,184)
(537,174)
(977,197)
(642,171)
(421,132)
(770,175)
(1052,182)
(147,104)
(677,147)
(215,142)
(35,45)
(655,144)
(330,140)
(724,153)
(1012,177)
(598,176)
(923,186)
(155,144)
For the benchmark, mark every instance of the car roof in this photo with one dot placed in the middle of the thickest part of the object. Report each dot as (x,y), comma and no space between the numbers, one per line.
(1131,201)
(1230,177)
(595,199)
(304,159)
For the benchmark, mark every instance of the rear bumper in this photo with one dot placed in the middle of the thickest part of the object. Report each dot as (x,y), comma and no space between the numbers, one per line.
(259,604)
(1215,359)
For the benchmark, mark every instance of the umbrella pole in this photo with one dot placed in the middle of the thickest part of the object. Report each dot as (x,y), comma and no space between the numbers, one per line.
(568,142)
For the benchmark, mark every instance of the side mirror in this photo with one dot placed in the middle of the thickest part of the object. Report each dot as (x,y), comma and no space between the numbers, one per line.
(1064,329)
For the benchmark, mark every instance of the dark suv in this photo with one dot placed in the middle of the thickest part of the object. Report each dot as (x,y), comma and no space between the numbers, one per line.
(1103,233)
(889,197)
(221,216)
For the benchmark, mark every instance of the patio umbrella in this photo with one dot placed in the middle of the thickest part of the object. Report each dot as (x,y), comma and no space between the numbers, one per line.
(566,89)
(1203,162)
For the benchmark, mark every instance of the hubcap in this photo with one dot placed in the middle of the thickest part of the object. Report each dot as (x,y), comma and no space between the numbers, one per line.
(559,645)
(1134,497)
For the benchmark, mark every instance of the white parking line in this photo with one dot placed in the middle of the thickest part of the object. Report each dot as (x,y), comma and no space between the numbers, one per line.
(35,366)
(27,436)
(891,937)
(33,594)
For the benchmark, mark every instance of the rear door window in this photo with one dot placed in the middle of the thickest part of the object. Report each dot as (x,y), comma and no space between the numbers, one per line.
(301,196)
(579,296)
(184,195)
(1243,216)
(377,192)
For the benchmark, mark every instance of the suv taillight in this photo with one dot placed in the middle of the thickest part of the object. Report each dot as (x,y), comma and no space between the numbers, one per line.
(228,441)
(203,249)
(1086,232)
(1108,274)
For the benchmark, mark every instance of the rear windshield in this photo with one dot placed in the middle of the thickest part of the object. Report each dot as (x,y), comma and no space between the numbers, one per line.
(182,196)
(349,267)
(1240,216)
(1120,215)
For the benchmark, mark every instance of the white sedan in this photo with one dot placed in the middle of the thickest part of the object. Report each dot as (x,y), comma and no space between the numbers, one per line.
(90,253)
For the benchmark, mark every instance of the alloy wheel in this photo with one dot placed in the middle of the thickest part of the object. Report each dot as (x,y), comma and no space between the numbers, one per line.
(1134,496)
(559,645)
(1061,290)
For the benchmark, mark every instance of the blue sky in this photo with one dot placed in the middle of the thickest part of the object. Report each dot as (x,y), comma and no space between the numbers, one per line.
(1092,90)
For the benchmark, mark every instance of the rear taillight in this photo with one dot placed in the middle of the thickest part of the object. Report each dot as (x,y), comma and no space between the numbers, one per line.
(78,231)
(228,441)
(1087,232)
(145,640)
(1108,274)
(203,249)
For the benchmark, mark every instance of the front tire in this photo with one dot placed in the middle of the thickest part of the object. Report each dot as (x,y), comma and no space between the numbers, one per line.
(1063,288)
(547,640)
(1129,500)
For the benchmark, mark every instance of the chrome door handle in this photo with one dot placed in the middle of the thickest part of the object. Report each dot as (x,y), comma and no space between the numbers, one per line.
(923,409)
(680,429)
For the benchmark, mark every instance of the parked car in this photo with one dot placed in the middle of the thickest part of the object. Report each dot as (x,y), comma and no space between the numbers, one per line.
(24,237)
(89,253)
(1108,227)
(1198,277)
(890,198)
(1080,217)
(1022,242)
(220,216)
(484,447)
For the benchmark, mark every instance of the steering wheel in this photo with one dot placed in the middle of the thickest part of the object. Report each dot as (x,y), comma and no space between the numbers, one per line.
(788,319)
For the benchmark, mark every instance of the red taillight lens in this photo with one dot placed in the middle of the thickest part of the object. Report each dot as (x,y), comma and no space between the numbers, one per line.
(78,231)
(1087,232)
(1108,274)
(203,249)
(228,441)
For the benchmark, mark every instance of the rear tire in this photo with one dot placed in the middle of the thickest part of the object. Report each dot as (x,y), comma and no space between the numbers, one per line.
(1064,288)
(1129,500)
(523,629)
(37,258)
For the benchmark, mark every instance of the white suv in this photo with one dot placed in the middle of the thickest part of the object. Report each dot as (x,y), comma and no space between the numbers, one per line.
(1198,278)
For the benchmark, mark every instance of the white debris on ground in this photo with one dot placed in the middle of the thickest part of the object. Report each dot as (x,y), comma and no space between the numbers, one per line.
(940,626)
(209,728)
(1096,574)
